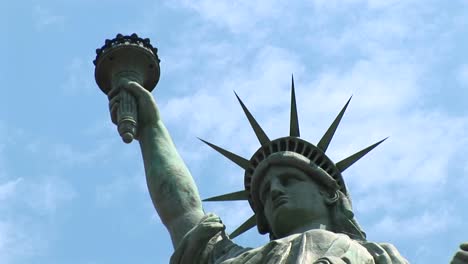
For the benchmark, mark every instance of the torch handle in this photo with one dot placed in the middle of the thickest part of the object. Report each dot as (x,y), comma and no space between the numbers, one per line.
(127,116)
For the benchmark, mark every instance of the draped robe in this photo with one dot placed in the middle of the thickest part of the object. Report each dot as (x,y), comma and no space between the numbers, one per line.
(313,246)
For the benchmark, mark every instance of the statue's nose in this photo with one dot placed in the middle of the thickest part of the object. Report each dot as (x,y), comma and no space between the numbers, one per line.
(276,189)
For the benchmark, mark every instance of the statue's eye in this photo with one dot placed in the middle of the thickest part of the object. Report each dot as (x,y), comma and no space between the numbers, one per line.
(291,179)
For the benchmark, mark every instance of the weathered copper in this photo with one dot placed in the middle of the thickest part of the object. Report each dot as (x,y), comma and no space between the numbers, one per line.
(126,58)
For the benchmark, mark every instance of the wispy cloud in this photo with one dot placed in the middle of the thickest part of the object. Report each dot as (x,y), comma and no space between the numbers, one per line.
(69,154)
(427,223)
(10,241)
(239,16)
(8,189)
(48,195)
(78,80)
(119,188)
(45,18)
(462,75)
(233,213)
(23,203)
(27,203)
(21,239)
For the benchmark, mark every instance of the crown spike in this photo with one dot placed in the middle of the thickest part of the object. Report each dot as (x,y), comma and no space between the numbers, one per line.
(346,163)
(262,137)
(234,196)
(327,137)
(248,224)
(294,121)
(242,162)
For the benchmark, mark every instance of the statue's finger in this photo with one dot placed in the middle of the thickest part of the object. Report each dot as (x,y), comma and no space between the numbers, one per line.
(113,92)
(457,261)
(113,101)
(207,231)
(211,225)
(136,90)
(213,218)
(393,253)
(197,240)
(113,112)
(378,253)
(461,255)
(464,246)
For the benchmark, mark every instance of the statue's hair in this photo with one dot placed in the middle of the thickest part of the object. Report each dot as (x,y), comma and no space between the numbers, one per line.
(343,220)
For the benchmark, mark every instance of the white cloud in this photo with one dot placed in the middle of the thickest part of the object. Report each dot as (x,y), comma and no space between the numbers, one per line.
(233,214)
(48,194)
(120,187)
(22,230)
(45,18)
(8,189)
(77,80)
(238,16)
(8,239)
(427,223)
(72,155)
(262,83)
(21,239)
(462,75)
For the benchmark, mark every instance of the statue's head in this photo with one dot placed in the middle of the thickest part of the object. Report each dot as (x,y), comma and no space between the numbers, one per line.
(291,183)
(291,194)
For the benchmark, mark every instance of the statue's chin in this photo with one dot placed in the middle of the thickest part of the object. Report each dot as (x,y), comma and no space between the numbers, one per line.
(287,219)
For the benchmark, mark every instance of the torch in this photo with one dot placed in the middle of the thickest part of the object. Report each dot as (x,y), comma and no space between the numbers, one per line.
(126,58)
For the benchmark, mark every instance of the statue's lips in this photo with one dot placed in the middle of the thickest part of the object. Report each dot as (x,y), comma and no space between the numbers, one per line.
(279,200)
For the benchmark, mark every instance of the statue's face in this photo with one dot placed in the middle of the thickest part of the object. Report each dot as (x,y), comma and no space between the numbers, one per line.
(291,200)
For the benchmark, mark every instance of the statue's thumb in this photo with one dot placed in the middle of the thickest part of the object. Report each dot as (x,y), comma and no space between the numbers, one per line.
(136,89)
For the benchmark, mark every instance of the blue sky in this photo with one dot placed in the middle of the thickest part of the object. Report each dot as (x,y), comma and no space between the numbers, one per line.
(72,193)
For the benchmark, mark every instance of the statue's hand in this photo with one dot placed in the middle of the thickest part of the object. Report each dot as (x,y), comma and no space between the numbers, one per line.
(196,240)
(148,113)
(461,257)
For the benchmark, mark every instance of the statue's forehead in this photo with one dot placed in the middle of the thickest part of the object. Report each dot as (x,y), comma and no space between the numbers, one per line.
(282,171)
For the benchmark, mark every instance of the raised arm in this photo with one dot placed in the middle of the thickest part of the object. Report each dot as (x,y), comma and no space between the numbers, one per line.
(170,184)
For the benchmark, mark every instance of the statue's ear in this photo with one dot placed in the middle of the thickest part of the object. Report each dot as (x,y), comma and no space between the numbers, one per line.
(330,197)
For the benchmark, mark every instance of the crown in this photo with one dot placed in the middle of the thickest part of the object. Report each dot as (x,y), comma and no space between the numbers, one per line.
(314,154)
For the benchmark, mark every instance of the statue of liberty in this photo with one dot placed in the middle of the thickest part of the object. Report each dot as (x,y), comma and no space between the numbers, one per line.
(296,192)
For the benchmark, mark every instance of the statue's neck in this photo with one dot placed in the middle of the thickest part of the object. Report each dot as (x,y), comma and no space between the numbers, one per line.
(323,225)
(307,227)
